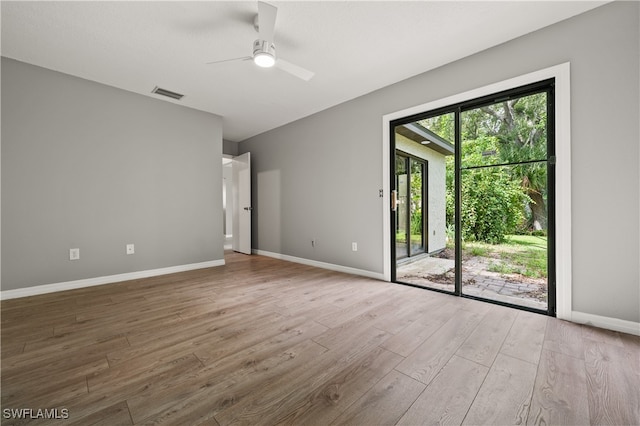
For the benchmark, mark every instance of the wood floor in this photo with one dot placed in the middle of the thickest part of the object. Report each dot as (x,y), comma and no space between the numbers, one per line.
(263,341)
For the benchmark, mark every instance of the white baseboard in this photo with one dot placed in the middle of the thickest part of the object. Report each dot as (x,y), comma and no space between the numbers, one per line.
(323,265)
(89,282)
(615,324)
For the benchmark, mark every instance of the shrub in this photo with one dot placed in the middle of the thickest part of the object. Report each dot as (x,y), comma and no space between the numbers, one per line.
(492,205)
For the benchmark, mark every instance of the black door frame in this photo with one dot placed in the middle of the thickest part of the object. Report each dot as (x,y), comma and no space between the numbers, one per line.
(424,200)
(543,86)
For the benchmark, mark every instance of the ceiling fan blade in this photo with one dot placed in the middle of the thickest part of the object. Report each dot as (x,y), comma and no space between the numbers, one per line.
(244,58)
(294,69)
(266,20)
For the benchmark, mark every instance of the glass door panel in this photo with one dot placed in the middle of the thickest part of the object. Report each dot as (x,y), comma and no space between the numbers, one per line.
(424,218)
(504,202)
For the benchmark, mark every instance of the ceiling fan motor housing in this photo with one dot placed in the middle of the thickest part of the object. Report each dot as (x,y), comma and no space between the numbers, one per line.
(264,53)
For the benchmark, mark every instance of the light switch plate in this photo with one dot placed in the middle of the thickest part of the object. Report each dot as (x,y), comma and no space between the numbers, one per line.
(74,254)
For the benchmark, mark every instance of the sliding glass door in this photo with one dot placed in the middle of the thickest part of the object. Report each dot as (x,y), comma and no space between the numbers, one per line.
(486,210)
(504,200)
(410,184)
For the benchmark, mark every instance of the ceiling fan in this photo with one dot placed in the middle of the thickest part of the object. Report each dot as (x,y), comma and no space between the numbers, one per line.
(264,49)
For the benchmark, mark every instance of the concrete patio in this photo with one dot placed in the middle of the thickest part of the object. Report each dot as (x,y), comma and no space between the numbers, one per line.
(477,280)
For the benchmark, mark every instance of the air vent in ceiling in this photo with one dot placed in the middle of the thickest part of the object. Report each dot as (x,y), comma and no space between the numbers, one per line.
(168,93)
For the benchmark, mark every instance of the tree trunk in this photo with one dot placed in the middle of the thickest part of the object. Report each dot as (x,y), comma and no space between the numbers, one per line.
(538,211)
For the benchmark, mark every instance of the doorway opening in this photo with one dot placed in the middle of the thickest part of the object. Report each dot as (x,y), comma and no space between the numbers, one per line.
(227,201)
(236,202)
(483,225)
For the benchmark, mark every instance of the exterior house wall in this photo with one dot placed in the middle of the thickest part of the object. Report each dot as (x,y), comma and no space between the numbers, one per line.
(436,190)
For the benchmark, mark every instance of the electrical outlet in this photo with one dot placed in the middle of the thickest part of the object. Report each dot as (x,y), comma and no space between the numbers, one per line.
(130,249)
(354,246)
(74,254)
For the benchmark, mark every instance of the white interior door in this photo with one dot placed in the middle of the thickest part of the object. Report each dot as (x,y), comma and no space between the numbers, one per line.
(241,169)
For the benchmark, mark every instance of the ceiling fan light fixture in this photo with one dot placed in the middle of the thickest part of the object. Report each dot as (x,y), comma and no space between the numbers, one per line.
(264,60)
(264,53)
(264,49)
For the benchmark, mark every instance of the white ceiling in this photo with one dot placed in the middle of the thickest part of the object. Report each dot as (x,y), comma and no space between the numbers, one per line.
(354,47)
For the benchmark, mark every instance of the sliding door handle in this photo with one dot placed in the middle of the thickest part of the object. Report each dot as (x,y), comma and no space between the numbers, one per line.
(394,200)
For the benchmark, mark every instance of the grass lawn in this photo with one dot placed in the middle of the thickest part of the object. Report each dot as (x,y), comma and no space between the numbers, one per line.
(520,254)
(401,237)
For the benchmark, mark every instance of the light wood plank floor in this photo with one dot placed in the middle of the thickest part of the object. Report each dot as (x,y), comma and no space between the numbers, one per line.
(263,341)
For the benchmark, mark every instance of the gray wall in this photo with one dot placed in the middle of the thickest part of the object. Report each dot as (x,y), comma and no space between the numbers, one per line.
(229,147)
(90,166)
(319,177)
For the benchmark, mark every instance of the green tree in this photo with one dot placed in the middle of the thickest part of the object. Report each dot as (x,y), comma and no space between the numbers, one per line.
(520,128)
(498,200)
(492,199)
